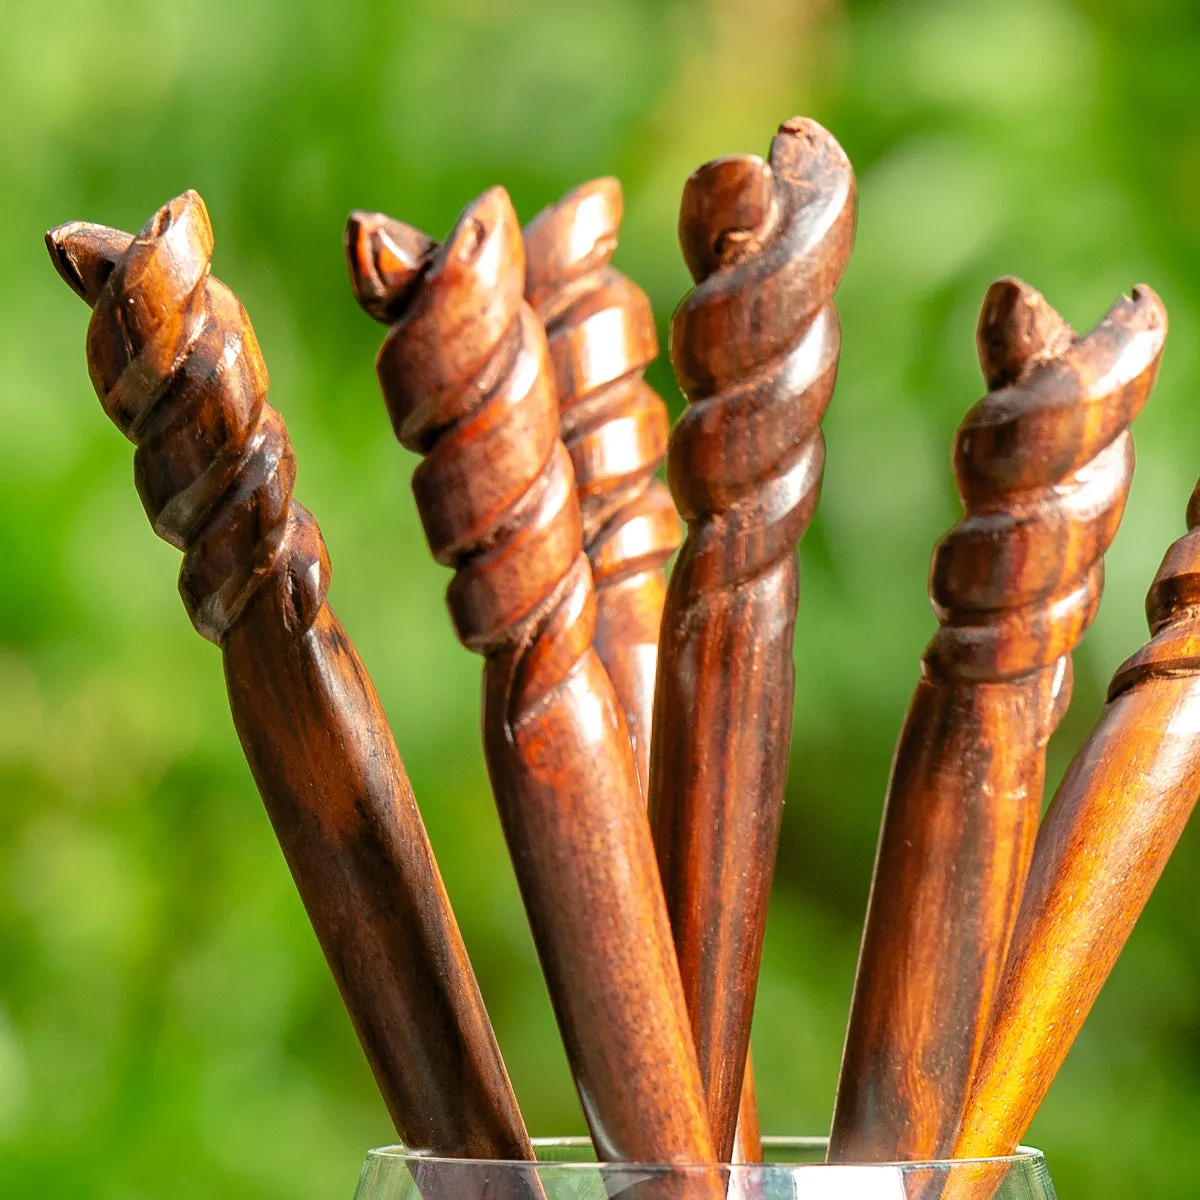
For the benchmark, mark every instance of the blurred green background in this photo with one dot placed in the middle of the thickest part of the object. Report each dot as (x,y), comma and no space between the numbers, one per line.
(167,1024)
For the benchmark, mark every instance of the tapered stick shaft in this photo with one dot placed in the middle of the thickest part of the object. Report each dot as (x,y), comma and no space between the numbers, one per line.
(1117,815)
(600,331)
(755,348)
(175,362)
(467,379)
(1044,463)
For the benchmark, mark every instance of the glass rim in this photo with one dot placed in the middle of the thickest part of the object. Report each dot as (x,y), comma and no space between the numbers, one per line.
(1024,1155)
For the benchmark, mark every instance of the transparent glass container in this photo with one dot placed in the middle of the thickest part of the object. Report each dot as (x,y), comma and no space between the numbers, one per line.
(795,1170)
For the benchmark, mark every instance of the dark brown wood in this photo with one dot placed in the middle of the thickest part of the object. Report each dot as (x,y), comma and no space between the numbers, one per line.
(468,382)
(755,349)
(175,362)
(1105,840)
(1043,464)
(600,329)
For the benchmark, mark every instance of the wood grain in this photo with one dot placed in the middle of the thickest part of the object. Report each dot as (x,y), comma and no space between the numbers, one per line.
(176,365)
(755,349)
(1043,464)
(1116,817)
(600,330)
(467,378)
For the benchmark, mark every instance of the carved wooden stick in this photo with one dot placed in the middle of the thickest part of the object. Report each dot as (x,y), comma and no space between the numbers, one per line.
(755,348)
(1043,465)
(1105,840)
(175,362)
(600,330)
(467,379)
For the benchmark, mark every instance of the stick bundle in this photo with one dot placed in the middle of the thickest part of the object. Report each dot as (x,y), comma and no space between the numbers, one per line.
(637,729)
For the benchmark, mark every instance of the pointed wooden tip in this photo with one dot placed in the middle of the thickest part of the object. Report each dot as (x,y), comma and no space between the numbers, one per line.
(488,215)
(568,239)
(1017,328)
(385,257)
(187,209)
(582,227)
(84,255)
(726,205)
(1150,303)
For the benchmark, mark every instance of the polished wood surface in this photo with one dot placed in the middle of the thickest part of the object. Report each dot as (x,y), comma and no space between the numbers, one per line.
(600,330)
(176,365)
(1104,842)
(1043,464)
(747,1134)
(755,348)
(468,381)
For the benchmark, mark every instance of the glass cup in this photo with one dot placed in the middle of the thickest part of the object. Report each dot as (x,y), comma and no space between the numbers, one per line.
(795,1170)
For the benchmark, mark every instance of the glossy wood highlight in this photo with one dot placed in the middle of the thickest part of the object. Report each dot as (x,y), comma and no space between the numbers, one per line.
(1043,464)
(1117,815)
(176,365)
(467,378)
(755,349)
(600,330)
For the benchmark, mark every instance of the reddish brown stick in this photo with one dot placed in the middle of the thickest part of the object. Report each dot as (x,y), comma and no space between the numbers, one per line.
(1043,465)
(1105,840)
(467,379)
(755,348)
(175,362)
(600,330)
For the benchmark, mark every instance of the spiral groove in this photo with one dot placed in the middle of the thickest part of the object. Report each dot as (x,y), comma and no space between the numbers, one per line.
(175,362)
(755,348)
(600,331)
(468,383)
(1043,463)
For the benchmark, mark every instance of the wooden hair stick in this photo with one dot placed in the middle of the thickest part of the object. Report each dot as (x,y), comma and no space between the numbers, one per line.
(1044,464)
(466,375)
(1117,815)
(600,330)
(175,362)
(755,349)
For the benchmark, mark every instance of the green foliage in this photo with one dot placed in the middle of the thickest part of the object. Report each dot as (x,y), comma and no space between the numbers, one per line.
(167,1024)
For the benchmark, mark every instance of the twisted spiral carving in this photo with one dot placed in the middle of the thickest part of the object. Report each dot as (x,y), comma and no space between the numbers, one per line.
(1172,612)
(468,385)
(755,348)
(1044,463)
(600,331)
(467,378)
(1116,818)
(175,362)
